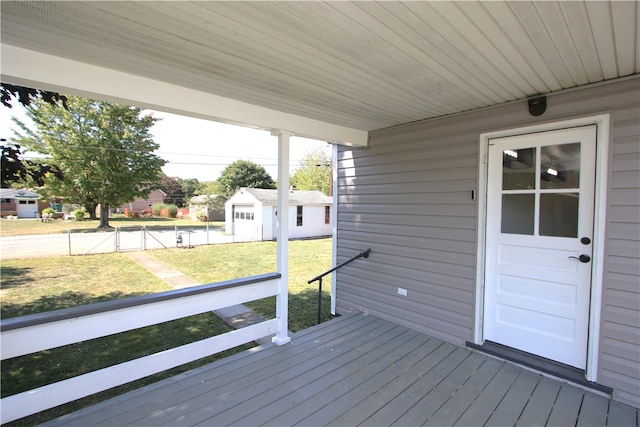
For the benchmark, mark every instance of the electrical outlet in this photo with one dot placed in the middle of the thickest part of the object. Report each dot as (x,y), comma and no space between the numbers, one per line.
(402,291)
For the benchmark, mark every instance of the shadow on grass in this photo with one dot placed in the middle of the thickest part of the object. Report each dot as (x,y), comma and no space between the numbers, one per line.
(14,277)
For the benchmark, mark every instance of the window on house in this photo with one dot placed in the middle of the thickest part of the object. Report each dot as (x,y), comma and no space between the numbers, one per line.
(6,200)
(299,216)
(327,214)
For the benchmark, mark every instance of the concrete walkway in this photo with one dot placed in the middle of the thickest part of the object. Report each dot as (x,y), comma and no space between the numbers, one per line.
(236,316)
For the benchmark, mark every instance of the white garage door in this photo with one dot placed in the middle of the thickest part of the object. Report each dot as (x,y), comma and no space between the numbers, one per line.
(27,208)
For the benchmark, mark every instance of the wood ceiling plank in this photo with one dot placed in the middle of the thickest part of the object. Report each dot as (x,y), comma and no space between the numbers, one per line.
(461,25)
(532,64)
(539,36)
(625,17)
(424,64)
(557,28)
(599,14)
(448,71)
(578,24)
(500,49)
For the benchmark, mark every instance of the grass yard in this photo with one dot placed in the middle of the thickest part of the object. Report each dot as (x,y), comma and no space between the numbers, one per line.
(45,284)
(17,227)
(307,259)
(37,285)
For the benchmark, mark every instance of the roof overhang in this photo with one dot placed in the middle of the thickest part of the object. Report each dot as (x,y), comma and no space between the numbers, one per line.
(321,69)
(34,69)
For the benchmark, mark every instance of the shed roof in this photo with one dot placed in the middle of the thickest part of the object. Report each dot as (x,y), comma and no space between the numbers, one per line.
(296,197)
(202,198)
(11,193)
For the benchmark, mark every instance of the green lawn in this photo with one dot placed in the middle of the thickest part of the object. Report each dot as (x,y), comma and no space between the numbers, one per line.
(16,227)
(307,259)
(37,285)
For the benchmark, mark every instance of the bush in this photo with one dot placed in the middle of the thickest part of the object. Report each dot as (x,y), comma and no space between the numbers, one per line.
(48,211)
(78,214)
(157,207)
(164,210)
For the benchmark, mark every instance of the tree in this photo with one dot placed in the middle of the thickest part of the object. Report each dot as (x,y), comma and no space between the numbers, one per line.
(16,170)
(104,150)
(314,172)
(243,173)
(207,188)
(26,95)
(189,187)
(172,187)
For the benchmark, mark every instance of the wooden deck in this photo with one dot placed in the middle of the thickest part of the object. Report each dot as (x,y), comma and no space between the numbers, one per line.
(358,370)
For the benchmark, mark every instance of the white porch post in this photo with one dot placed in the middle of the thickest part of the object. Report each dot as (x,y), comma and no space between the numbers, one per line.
(282,261)
(334,224)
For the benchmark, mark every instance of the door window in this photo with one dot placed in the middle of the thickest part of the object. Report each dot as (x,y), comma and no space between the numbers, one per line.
(540,190)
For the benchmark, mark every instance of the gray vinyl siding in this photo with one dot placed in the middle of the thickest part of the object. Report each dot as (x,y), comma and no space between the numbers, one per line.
(408,197)
(620,335)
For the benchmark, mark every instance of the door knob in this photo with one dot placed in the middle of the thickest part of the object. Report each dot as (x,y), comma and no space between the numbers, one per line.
(582,258)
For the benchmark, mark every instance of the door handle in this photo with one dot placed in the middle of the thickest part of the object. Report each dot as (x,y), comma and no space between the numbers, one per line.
(582,258)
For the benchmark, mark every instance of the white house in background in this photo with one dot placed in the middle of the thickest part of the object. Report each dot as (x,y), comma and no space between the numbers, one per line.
(252,213)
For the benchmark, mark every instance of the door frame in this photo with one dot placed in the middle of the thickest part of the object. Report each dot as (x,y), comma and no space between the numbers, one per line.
(602,122)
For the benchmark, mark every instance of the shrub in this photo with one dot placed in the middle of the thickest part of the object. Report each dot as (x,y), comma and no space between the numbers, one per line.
(78,214)
(164,210)
(48,211)
(157,207)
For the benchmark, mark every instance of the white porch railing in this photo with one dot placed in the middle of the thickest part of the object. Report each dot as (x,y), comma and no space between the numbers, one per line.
(28,334)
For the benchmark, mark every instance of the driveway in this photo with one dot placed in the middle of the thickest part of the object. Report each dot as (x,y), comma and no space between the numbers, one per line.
(48,245)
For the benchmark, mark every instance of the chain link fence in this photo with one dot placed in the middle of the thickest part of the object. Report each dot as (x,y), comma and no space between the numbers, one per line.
(121,239)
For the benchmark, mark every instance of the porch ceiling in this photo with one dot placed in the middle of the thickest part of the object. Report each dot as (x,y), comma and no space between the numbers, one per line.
(360,65)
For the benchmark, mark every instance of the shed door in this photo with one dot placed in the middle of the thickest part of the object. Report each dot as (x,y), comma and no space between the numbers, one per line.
(27,209)
(540,200)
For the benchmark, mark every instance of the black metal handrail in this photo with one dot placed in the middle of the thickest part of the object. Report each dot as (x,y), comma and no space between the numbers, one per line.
(363,254)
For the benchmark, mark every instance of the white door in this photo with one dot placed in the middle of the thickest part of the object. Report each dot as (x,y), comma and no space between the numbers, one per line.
(27,209)
(540,201)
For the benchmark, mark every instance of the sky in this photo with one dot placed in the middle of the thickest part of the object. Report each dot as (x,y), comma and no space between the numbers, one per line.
(201,149)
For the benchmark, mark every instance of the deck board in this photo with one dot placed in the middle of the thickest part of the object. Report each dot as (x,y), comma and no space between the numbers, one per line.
(314,398)
(357,370)
(540,403)
(567,406)
(340,411)
(249,375)
(465,395)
